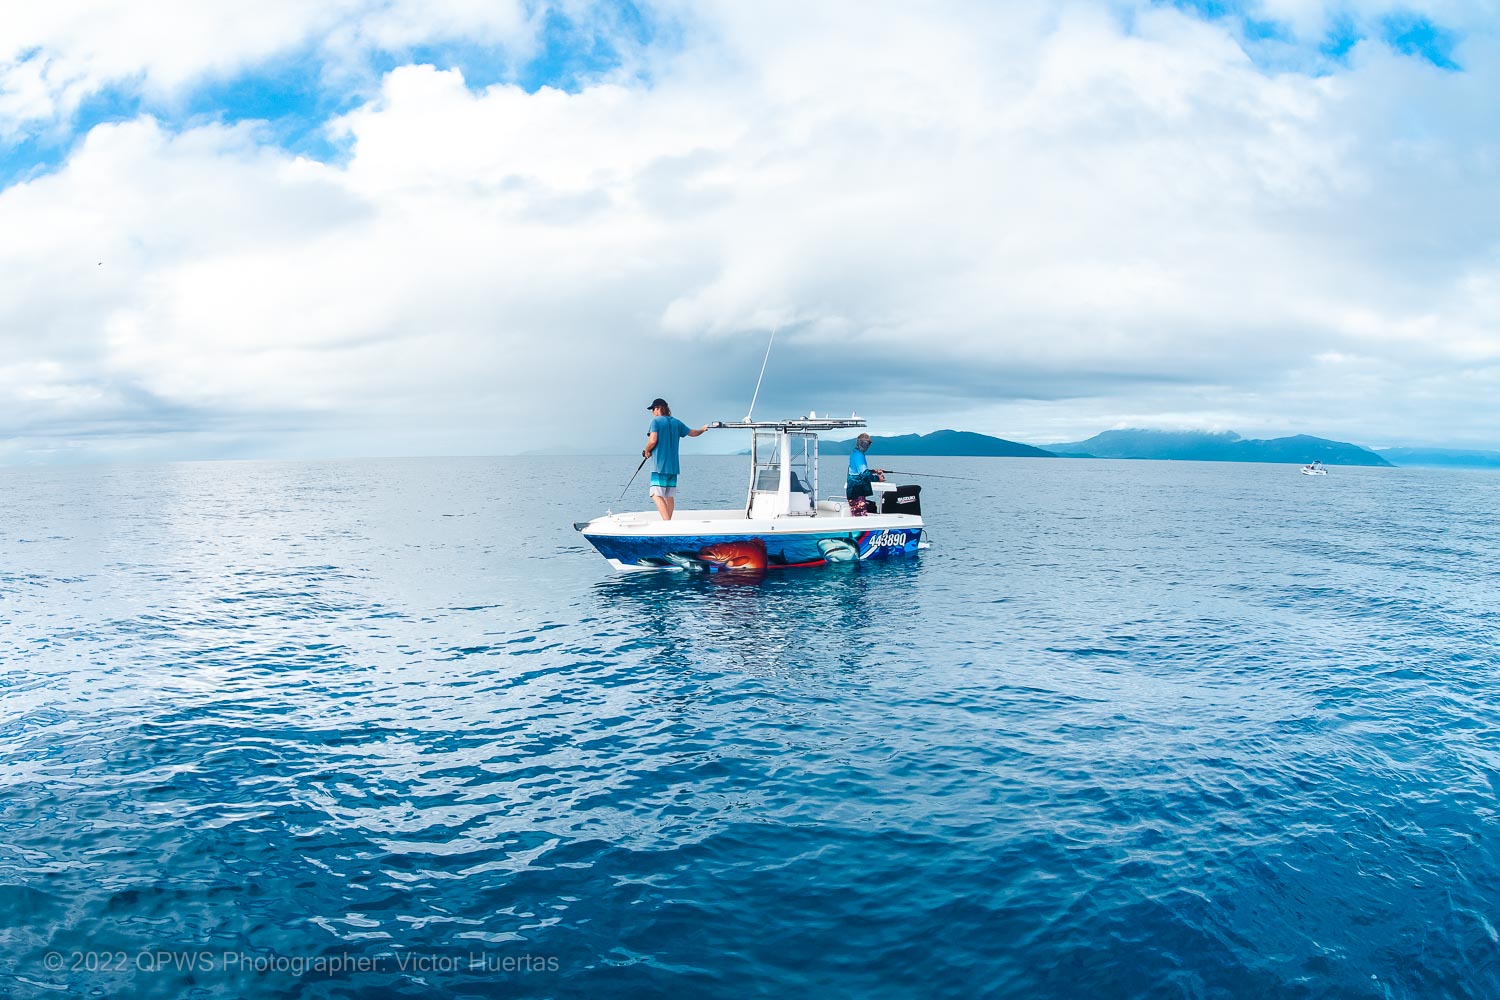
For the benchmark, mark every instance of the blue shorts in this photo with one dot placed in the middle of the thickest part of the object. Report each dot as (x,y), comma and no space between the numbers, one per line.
(663,486)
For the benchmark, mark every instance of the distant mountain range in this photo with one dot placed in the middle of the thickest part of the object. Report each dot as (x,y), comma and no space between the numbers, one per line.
(1441,458)
(949,443)
(1182,446)
(1225,446)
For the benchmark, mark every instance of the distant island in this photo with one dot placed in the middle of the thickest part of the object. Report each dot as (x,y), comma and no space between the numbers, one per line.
(1224,446)
(1180,446)
(1441,458)
(946,443)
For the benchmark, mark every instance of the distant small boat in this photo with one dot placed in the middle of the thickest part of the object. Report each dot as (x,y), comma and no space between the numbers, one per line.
(1316,469)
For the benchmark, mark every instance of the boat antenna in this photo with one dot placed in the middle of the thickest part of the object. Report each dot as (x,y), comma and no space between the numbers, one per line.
(751,415)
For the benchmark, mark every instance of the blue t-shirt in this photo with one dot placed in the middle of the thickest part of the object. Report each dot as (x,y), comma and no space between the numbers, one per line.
(669,430)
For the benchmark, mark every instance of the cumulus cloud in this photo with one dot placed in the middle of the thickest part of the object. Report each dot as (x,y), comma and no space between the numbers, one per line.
(55,56)
(1030,220)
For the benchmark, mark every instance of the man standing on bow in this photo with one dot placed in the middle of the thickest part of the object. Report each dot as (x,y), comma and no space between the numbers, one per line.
(661,440)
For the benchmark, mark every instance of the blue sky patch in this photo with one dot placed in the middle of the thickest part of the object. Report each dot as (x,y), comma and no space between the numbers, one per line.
(1266,41)
(574,54)
(288,94)
(1414,35)
(1342,35)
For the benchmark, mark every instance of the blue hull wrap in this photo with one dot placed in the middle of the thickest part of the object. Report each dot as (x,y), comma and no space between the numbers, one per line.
(718,553)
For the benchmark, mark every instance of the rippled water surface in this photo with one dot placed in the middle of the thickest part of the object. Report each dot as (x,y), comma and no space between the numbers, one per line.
(390,728)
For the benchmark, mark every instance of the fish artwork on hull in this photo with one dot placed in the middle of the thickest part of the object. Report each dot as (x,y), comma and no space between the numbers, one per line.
(837,550)
(743,556)
(747,555)
(750,555)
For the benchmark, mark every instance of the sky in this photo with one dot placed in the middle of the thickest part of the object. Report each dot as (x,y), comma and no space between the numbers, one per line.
(279,229)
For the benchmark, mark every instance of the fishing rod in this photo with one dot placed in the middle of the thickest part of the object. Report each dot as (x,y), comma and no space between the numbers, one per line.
(930,475)
(637,472)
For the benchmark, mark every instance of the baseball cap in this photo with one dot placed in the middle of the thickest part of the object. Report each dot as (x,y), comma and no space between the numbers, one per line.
(658,401)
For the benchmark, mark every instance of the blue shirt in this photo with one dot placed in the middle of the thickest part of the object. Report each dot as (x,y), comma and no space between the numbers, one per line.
(858,484)
(668,430)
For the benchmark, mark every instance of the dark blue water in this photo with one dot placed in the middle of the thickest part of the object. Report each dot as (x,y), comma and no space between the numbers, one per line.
(390,728)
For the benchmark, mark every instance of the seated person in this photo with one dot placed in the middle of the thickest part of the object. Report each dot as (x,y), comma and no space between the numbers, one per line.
(858,490)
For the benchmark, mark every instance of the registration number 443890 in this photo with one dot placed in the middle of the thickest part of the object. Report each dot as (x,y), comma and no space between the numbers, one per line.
(889,539)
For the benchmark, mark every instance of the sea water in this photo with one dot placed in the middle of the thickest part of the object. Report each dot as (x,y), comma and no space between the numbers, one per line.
(392,728)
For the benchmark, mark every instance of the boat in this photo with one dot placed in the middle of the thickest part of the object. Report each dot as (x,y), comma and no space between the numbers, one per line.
(1315,469)
(783,524)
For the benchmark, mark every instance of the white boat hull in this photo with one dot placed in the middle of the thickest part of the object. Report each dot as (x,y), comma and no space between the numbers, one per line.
(718,541)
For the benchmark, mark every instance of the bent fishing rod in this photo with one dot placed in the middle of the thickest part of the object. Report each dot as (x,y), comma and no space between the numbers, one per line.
(930,475)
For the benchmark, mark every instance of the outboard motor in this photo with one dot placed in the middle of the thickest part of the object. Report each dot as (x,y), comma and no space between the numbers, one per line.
(902,500)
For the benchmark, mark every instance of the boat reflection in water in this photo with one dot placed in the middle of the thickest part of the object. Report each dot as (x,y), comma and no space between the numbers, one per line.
(756,624)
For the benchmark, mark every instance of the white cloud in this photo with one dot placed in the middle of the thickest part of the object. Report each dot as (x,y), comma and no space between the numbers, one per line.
(1039,222)
(54,56)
